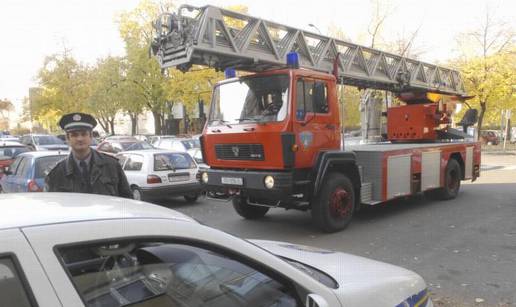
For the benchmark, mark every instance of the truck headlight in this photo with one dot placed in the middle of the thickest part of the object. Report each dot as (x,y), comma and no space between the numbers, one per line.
(269,182)
(204,177)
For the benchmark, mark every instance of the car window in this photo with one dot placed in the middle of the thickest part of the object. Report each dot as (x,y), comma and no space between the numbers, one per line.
(11,152)
(135,145)
(13,292)
(164,274)
(134,163)
(172,161)
(105,147)
(15,164)
(24,166)
(45,164)
(47,140)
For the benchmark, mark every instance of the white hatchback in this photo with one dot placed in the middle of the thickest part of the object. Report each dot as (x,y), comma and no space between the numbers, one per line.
(70,249)
(157,174)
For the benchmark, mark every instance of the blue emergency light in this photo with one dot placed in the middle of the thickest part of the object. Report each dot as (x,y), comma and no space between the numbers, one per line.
(293,60)
(229,72)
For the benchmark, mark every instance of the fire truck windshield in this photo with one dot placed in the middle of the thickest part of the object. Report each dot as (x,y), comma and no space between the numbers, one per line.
(250,99)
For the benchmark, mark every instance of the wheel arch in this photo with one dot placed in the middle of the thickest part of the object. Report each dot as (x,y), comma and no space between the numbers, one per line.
(457,156)
(341,162)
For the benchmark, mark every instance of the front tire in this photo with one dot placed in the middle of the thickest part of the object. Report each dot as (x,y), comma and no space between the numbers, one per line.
(248,211)
(333,207)
(452,177)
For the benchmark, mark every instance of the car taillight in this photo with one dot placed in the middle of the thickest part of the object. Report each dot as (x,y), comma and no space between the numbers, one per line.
(33,186)
(153,179)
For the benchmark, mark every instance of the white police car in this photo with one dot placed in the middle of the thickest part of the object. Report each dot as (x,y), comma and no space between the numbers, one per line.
(59,249)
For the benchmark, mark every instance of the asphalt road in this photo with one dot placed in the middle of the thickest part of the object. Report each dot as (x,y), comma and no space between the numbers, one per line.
(465,248)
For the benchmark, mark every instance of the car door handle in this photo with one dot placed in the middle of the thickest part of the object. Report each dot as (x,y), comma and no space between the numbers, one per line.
(330,126)
(216,130)
(248,129)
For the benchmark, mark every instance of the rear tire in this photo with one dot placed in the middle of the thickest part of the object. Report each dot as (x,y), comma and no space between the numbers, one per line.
(248,211)
(452,177)
(191,198)
(137,193)
(333,207)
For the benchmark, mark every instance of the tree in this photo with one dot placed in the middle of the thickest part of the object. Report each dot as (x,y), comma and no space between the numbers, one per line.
(6,107)
(143,72)
(482,50)
(107,91)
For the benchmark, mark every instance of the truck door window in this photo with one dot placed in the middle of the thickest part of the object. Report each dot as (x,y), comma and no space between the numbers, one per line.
(312,96)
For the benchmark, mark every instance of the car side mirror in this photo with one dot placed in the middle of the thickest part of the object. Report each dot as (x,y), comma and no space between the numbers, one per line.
(315,300)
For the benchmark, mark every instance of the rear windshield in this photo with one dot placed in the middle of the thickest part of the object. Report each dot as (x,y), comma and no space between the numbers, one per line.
(45,164)
(135,146)
(7,153)
(47,140)
(172,161)
(189,144)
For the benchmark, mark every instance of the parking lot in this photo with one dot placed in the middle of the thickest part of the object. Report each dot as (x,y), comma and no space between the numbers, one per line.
(464,248)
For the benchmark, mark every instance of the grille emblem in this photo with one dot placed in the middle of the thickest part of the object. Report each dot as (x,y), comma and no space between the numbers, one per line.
(235,150)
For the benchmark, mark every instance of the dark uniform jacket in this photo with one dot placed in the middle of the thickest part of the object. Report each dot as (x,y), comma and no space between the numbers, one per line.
(106,177)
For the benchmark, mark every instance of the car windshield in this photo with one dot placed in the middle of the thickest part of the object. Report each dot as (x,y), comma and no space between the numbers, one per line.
(135,145)
(163,274)
(251,99)
(45,164)
(172,161)
(7,153)
(47,140)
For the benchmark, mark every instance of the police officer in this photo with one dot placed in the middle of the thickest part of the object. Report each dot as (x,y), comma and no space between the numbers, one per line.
(85,170)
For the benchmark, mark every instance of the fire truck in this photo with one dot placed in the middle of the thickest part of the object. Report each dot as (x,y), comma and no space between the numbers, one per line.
(273,136)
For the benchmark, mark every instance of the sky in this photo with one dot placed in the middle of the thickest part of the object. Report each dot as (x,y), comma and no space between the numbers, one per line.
(30,30)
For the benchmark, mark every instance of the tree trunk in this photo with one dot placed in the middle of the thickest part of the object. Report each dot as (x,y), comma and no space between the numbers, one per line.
(157,122)
(104,125)
(112,125)
(134,122)
(481,117)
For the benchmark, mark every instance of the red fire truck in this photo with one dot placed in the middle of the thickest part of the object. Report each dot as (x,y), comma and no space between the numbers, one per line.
(273,137)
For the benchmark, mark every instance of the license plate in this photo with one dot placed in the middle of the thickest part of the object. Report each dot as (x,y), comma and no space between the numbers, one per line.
(232,181)
(178,178)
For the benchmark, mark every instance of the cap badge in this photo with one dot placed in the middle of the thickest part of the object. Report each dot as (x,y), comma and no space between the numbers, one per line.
(76,117)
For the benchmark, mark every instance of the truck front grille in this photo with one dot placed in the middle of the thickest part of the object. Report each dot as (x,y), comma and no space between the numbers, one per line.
(239,152)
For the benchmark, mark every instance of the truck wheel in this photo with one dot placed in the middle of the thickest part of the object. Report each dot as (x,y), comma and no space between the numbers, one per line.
(191,198)
(451,183)
(247,211)
(333,207)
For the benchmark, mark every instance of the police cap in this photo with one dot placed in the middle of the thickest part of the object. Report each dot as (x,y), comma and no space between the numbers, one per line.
(77,121)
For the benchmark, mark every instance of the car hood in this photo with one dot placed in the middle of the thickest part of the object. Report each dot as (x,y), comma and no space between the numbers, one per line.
(362,281)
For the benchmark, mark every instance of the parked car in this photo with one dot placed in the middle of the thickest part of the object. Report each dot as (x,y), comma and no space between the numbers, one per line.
(27,173)
(179,144)
(489,137)
(114,146)
(196,154)
(9,150)
(57,251)
(38,142)
(157,173)
(8,137)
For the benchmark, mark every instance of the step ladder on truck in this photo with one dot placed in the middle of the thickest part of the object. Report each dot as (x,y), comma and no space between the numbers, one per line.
(273,137)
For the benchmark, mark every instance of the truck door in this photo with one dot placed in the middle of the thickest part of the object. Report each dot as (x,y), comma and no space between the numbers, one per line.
(313,124)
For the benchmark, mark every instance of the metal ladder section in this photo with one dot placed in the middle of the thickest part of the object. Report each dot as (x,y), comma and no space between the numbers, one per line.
(221,38)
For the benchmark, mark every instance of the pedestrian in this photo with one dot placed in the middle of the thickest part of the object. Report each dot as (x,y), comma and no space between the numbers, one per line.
(85,170)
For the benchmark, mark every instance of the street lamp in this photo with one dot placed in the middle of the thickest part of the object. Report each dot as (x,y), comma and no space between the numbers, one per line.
(316,28)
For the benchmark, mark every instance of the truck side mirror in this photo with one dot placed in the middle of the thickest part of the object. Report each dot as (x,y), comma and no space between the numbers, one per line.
(5,170)
(315,300)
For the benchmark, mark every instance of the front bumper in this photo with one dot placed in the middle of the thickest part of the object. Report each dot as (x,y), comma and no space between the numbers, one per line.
(252,183)
(171,190)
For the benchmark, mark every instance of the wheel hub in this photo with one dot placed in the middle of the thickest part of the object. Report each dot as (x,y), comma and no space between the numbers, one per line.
(340,203)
